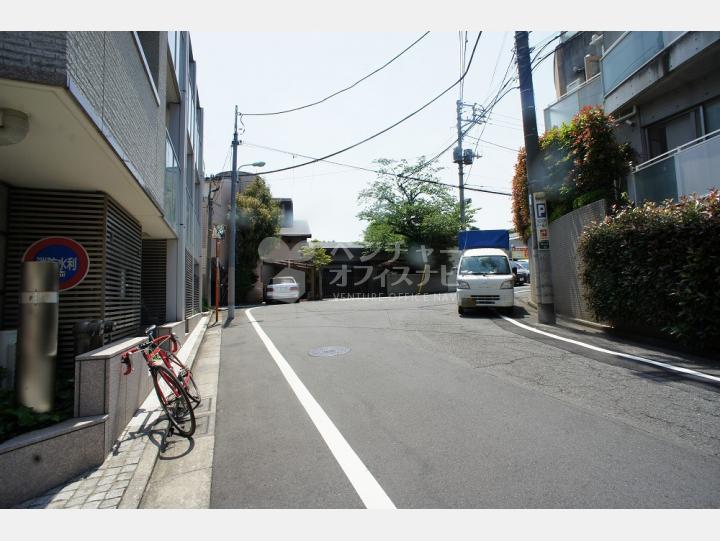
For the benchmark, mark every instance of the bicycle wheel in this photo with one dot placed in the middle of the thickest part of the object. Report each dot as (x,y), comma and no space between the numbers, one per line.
(185,376)
(174,400)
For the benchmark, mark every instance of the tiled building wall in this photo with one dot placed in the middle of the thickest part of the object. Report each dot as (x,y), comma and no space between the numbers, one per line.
(38,57)
(109,70)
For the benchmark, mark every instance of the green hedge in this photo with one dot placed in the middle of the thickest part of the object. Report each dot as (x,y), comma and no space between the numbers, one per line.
(658,267)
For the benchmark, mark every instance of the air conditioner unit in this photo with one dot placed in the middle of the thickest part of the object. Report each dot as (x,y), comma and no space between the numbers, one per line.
(8,346)
(574,84)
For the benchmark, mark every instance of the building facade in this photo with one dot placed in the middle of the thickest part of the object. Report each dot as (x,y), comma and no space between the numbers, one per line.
(663,88)
(101,137)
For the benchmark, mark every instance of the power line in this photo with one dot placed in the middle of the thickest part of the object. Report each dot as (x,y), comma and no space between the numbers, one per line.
(377,134)
(370,170)
(386,64)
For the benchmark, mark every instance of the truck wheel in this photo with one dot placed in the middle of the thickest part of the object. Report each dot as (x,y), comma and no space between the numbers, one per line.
(461,310)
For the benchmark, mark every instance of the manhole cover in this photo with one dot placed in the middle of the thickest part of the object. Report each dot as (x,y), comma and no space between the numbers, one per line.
(328,351)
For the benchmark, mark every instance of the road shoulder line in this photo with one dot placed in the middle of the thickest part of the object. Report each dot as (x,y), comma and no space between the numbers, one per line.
(366,486)
(686,371)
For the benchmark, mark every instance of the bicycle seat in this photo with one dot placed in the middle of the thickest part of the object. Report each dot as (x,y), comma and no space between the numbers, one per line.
(150,329)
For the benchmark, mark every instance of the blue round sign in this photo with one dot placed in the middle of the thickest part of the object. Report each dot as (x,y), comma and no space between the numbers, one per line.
(72,259)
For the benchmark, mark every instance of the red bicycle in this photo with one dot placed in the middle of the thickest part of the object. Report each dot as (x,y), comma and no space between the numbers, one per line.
(173,381)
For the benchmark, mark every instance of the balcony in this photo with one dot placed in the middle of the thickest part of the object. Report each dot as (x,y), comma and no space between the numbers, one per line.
(691,168)
(630,53)
(564,109)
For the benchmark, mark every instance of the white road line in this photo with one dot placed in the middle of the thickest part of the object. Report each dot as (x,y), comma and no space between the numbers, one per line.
(369,490)
(694,373)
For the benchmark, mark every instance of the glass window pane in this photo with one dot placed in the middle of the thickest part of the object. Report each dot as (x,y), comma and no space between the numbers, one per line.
(712,116)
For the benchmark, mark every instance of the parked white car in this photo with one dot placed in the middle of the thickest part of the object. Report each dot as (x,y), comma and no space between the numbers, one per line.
(283,289)
(484,279)
(521,272)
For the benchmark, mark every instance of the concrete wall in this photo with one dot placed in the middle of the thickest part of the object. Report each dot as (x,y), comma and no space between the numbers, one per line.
(42,459)
(434,284)
(102,389)
(39,57)
(564,235)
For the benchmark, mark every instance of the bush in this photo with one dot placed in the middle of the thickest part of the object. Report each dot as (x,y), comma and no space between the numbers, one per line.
(582,162)
(658,266)
(520,200)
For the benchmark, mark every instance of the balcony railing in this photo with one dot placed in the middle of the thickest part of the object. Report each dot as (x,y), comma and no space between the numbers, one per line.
(691,168)
(631,52)
(562,111)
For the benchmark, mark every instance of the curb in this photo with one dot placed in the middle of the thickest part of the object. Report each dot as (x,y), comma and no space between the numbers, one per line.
(136,489)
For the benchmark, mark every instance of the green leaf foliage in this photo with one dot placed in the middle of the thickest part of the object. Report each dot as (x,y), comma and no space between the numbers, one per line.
(658,266)
(317,255)
(411,212)
(582,162)
(258,217)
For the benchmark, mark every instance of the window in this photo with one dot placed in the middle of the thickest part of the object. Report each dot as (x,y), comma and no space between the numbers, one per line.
(712,115)
(669,134)
(484,264)
(174,45)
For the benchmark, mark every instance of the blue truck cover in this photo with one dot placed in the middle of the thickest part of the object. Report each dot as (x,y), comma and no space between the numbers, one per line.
(489,238)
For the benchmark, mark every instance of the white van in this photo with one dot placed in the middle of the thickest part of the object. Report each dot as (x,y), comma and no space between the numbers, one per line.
(484,278)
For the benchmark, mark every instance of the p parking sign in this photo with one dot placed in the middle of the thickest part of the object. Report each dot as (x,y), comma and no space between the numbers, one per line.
(542,228)
(71,257)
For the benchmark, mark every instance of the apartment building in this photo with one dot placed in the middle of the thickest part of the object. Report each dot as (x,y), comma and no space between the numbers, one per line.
(663,88)
(101,137)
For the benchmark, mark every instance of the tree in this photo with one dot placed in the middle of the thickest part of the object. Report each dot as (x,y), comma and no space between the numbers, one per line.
(411,212)
(520,201)
(583,162)
(258,217)
(318,258)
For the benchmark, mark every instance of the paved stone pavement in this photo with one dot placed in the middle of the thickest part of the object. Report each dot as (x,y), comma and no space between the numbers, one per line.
(104,487)
(182,475)
(121,480)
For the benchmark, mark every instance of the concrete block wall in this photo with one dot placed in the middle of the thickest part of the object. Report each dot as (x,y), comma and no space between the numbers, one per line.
(564,236)
(38,57)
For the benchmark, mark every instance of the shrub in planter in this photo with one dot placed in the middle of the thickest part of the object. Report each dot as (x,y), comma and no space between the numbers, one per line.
(658,266)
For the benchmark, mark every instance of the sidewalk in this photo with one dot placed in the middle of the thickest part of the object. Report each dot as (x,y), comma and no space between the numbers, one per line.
(182,475)
(598,335)
(122,479)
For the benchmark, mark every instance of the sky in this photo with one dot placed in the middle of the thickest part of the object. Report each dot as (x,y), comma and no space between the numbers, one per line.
(262,72)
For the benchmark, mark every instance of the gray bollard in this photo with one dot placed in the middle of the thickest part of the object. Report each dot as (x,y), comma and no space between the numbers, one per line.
(37,335)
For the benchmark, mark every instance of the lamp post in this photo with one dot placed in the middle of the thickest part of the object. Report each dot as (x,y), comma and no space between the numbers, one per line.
(233,219)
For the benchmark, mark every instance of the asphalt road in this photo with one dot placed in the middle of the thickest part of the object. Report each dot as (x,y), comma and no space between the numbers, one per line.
(450,412)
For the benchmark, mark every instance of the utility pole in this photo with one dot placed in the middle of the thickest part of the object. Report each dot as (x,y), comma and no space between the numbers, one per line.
(540,231)
(459,160)
(233,223)
(208,250)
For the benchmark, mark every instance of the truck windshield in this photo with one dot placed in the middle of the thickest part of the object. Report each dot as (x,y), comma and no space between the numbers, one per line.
(484,264)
